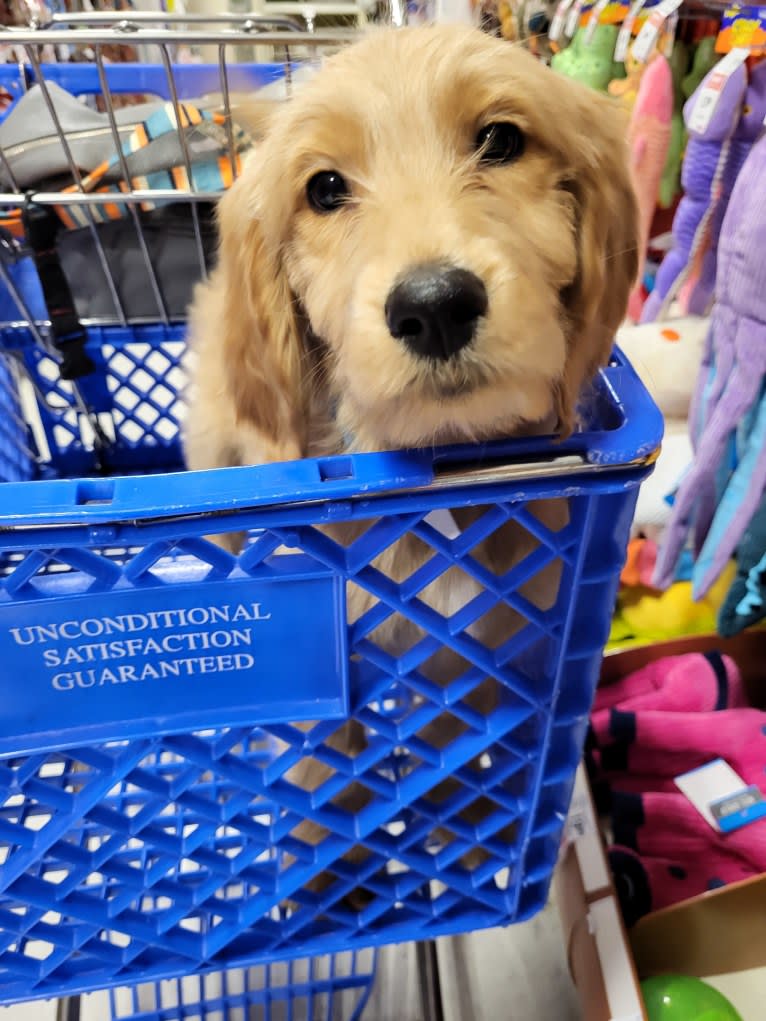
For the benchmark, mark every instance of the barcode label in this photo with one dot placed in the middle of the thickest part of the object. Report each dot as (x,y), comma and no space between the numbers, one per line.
(738,809)
(670,35)
(574,17)
(595,18)
(559,18)
(626,31)
(647,37)
(710,93)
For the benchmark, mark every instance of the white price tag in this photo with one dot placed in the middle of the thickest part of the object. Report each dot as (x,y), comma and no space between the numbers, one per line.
(573,19)
(595,17)
(647,37)
(626,31)
(559,18)
(670,35)
(712,87)
(721,796)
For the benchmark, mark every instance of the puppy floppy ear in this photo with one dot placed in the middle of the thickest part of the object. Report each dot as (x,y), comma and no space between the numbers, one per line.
(254,115)
(606,225)
(261,330)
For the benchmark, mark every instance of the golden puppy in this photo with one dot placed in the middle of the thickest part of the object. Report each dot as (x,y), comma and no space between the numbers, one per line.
(458,170)
(433,243)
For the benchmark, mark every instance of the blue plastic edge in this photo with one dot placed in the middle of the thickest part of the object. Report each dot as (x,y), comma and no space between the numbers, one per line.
(191,79)
(343,477)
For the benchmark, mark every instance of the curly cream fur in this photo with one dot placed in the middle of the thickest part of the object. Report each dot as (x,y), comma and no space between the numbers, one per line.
(552,236)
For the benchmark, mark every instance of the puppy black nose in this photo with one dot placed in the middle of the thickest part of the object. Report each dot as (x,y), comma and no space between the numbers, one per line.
(435,309)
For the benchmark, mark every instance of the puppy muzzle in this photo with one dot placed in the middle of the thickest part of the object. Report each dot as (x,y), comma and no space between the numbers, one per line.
(435,309)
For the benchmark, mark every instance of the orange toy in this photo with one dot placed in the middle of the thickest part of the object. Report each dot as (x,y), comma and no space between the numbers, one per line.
(626,89)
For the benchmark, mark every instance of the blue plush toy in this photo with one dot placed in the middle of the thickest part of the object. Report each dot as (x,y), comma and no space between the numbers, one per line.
(745,603)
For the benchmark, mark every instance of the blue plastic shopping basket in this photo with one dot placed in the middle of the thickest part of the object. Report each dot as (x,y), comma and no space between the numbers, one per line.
(329,988)
(159,693)
(148,828)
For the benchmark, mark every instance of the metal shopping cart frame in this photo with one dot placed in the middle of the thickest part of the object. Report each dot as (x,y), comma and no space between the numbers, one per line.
(95,508)
(158,37)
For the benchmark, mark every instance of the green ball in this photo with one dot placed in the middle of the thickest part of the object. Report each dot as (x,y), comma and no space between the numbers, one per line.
(677,998)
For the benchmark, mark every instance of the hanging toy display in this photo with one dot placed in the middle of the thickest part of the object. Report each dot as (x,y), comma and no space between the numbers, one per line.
(696,294)
(720,494)
(706,155)
(508,21)
(495,17)
(590,61)
(625,88)
(704,60)
(534,21)
(670,182)
(518,21)
(649,136)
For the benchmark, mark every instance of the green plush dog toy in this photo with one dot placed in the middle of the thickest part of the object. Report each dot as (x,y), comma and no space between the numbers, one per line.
(670,184)
(591,63)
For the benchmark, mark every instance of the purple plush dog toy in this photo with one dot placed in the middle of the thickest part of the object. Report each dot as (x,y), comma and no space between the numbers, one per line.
(705,162)
(730,388)
(747,130)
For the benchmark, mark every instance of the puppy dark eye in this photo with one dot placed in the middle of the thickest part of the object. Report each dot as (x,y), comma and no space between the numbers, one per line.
(327,191)
(500,143)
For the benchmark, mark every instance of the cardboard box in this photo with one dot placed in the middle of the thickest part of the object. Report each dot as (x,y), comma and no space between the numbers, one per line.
(719,932)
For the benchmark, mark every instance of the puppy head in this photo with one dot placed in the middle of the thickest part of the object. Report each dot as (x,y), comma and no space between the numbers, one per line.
(453,226)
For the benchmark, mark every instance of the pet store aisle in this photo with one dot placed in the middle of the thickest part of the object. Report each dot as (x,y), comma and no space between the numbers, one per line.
(512,974)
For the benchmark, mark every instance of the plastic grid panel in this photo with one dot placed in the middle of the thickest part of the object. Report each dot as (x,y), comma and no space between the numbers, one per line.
(133,860)
(149,858)
(146,384)
(17,462)
(135,393)
(332,987)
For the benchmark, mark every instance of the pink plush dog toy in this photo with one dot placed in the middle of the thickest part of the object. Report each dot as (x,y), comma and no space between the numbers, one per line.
(649,135)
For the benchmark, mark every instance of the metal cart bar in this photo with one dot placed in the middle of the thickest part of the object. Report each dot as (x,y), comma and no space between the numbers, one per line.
(253,22)
(134,35)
